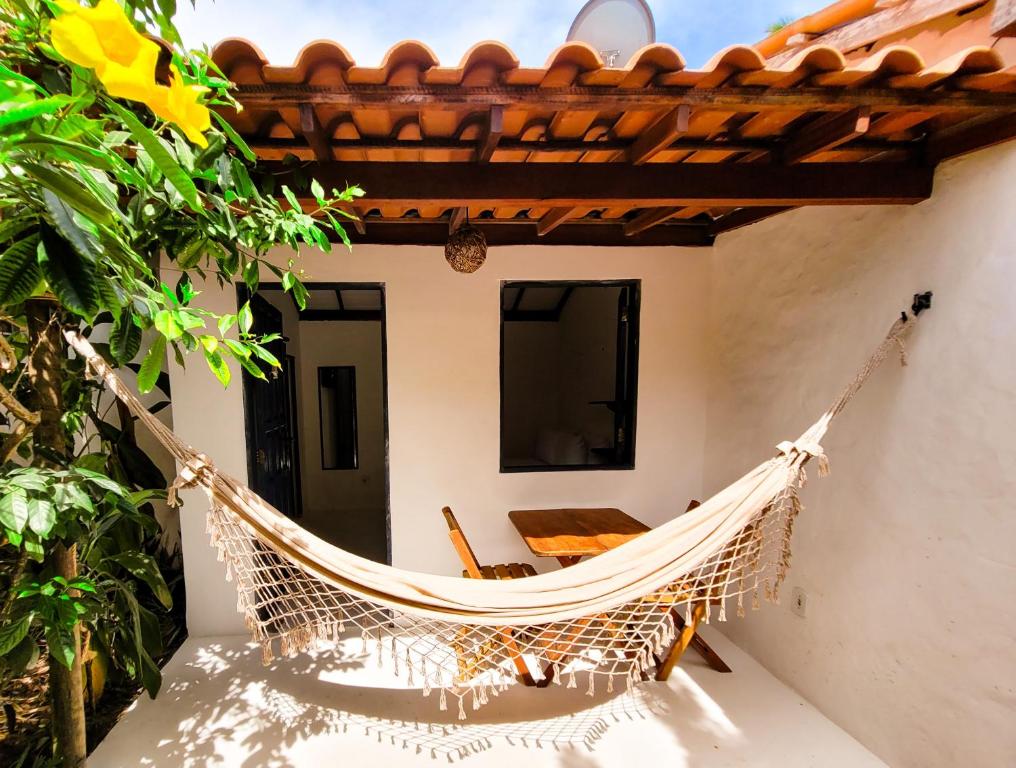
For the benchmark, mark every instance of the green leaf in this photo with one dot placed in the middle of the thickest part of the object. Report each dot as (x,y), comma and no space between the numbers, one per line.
(318,191)
(265,355)
(161,156)
(218,366)
(167,325)
(125,339)
(12,634)
(71,189)
(245,318)
(291,198)
(251,275)
(144,567)
(65,149)
(14,510)
(62,218)
(34,109)
(19,271)
(60,642)
(102,481)
(234,137)
(72,278)
(22,656)
(224,323)
(41,516)
(152,365)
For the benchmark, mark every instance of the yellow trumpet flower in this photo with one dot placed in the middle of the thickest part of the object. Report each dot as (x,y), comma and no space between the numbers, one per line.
(104,39)
(181,104)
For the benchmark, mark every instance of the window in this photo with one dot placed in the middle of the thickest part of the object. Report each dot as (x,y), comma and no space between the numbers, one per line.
(569,369)
(337,399)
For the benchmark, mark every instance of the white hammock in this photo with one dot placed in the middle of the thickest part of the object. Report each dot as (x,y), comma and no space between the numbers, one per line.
(604,617)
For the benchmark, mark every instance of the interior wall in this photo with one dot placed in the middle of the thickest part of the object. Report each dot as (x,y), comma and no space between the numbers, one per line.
(532,381)
(330,494)
(906,550)
(444,404)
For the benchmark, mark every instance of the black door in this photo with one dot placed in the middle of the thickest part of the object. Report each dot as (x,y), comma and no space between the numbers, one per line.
(272,460)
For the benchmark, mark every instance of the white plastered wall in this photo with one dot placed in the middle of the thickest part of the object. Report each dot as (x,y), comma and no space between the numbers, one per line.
(443,333)
(906,550)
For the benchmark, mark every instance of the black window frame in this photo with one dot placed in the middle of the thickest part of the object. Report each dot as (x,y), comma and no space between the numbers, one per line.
(631,371)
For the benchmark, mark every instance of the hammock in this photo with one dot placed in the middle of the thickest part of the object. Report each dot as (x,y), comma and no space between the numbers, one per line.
(604,618)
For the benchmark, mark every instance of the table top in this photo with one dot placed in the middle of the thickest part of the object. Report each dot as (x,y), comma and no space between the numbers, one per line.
(574,532)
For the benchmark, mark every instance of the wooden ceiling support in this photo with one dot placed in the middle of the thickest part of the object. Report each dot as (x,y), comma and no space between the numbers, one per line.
(553,218)
(524,232)
(491,135)
(312,131)
(458,216)
(826,133)
(649,218)
(660,135)
(604,185)
(742,217)
(593,98)
(969,138)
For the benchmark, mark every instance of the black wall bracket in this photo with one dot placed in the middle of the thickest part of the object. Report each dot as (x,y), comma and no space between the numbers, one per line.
(922,301)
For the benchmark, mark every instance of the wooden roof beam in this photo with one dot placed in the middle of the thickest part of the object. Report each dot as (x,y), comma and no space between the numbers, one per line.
(827,133)
(964,139)
(723,98)
(524,232)
(491,135)
(649,218)
(312,131)
(660,135)
(554,218)
(742,217)
(458,216)
(607,185)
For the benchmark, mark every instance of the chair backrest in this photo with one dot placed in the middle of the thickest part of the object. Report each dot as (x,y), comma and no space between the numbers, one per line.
(462,547)
(692,504)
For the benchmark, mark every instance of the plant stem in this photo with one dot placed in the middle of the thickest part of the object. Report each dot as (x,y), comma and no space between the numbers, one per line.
(46,372)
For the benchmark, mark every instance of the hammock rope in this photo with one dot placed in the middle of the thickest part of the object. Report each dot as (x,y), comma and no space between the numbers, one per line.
(605,617)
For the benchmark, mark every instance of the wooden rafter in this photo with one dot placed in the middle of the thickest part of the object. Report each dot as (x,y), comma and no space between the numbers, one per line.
(660,135)
(458,216)
(649,218)
(965,139)
(553,219)
(827,133)
(312,131)
(491,135)
(524,232)
(557,185)
(742,217)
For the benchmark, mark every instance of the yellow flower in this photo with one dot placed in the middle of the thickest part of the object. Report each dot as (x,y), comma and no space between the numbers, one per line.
(104,39)
(181,104)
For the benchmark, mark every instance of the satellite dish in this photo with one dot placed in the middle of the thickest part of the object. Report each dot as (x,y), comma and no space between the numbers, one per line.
(616,28)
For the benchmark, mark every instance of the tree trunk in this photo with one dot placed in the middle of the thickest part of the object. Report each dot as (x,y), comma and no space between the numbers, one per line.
(46,373)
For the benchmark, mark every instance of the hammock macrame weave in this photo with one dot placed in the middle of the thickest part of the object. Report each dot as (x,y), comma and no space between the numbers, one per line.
(603,619)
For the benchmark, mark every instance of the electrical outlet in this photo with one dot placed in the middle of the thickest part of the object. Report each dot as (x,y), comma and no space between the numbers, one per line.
(799,602)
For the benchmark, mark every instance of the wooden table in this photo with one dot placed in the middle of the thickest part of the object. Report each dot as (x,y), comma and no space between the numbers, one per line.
(571,534)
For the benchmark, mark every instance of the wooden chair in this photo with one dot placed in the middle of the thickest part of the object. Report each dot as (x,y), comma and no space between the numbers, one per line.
(688,635)
(473,570)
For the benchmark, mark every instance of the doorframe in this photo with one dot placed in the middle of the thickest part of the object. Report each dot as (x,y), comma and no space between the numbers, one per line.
(243,295)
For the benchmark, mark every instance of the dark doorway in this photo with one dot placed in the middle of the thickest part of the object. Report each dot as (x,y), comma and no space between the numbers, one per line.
(337,411)
(273,453)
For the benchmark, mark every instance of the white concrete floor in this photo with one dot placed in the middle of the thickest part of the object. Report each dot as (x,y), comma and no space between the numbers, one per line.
(220,707)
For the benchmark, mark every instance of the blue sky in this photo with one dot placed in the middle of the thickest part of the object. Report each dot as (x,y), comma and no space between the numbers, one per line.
(533,28)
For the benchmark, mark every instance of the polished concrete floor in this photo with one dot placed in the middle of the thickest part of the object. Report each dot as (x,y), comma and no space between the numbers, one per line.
(220,707)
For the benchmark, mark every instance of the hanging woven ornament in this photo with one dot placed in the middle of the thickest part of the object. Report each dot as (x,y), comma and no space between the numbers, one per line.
(466,249)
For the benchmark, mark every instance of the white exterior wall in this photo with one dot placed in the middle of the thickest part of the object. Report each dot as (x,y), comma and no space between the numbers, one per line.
(907,550)
(443,390)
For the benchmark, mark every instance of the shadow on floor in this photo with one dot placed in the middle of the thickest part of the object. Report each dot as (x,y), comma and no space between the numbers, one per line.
(222,693)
